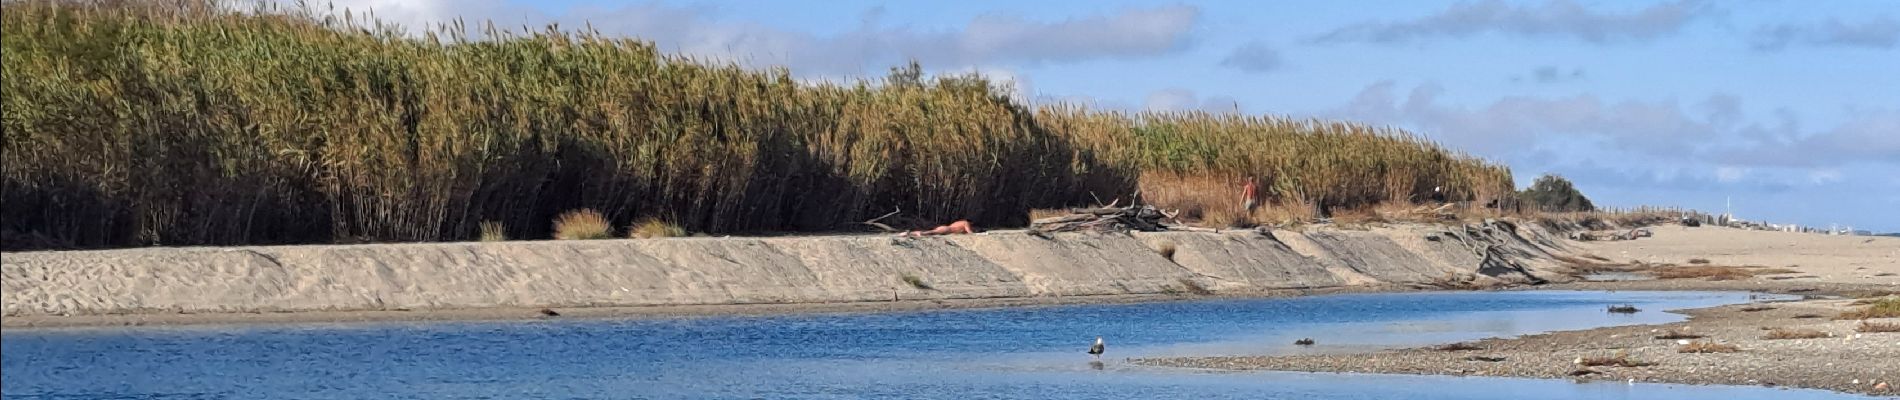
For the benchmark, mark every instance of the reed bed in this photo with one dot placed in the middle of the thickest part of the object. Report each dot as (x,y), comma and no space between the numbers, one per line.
(188,123)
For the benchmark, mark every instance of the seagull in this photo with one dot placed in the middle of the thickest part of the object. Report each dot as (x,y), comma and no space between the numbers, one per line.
(1096,350)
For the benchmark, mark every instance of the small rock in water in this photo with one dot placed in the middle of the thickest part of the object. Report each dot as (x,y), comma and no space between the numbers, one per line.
(1304,342)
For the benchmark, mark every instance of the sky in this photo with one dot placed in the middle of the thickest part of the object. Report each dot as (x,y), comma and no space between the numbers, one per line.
(1780,111)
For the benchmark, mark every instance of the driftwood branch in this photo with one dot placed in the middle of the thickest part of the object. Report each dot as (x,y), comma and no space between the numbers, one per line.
(887,228)
(1104,219)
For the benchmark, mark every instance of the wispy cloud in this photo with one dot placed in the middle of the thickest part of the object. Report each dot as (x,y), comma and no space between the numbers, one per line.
(1554,18)
(1550,74)
(1878,33)
(1253,57)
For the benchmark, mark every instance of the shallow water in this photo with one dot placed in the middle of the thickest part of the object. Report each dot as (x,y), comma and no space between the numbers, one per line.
(1034,352)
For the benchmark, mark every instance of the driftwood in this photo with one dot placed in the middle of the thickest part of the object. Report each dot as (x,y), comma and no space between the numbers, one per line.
(1104,219)
(887,228)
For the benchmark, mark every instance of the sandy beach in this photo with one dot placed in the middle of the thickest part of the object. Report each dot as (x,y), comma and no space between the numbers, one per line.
(1831,273)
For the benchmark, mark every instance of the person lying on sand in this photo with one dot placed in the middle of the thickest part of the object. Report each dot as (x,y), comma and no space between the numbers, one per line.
(959,227)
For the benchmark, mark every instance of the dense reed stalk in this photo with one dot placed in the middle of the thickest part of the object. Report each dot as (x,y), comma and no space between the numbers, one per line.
(179,123)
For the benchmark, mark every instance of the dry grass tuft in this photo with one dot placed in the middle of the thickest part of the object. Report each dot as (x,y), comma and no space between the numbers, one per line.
(1674,335)
(1713,273)
(1707,347)
(1165,249)
(582,224)
(493,231)
(1460,346)
(1882,308)
(916,282)
(1788,333)
(654,228)
(1620,359)
(1877,327)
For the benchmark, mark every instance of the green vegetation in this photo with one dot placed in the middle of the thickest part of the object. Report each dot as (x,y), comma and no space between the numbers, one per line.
(180,123)
(1882,308)
(1553,193)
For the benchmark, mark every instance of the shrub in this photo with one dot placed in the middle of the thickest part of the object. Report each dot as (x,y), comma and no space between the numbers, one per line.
(582,224)
(654,228)
(1554,193)
(492,231)
(1707,347)
(1787,333)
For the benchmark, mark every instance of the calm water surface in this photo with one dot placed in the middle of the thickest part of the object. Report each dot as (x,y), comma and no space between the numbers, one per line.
(1032,352)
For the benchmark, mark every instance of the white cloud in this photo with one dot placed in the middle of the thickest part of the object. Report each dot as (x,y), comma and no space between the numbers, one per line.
(1553,18)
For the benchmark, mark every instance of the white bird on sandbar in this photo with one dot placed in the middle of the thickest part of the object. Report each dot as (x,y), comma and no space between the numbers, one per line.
(1096,350)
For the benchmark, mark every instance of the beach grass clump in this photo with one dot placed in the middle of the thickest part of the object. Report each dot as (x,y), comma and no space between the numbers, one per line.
(1707,347)
(1882,308)
(1166,249)
(191,123)
(582,224)
(1459,346)
(1676,335)
(1707,272)
(1620,359)
(493,231)
(1877,327)
(1793,333)
(655,228)
(916,282)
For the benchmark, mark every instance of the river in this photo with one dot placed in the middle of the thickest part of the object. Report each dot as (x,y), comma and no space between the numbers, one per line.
(1025,352)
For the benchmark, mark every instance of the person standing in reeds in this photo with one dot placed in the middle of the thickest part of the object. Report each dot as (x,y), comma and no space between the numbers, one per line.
(1248,198)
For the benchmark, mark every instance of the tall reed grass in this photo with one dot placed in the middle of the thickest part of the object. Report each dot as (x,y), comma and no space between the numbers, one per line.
(183,122)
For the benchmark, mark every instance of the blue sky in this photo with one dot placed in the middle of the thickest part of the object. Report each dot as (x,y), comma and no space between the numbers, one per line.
(1789,108)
